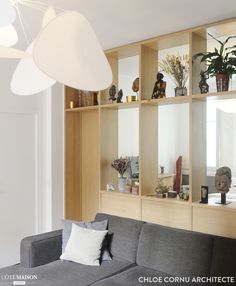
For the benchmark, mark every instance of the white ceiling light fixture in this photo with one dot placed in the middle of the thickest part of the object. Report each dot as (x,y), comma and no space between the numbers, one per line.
(68,50)
(49,15)
(7,13)
(12,53)
(27,78)
(8,36)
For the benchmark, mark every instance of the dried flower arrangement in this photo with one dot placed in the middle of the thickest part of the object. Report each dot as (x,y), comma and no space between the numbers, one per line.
(177,67)
(121,165)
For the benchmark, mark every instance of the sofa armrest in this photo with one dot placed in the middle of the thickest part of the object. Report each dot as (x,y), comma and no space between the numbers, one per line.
(40,249)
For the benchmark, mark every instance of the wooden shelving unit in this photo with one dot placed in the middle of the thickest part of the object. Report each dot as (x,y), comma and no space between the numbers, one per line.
(92,136)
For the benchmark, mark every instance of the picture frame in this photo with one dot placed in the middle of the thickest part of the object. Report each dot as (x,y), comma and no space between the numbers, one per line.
(204,194)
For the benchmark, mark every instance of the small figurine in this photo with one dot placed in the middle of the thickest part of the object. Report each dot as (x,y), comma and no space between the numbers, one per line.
(112,93)
(135,86)
(119,97)
(204,87)
(162,169)
(159,90)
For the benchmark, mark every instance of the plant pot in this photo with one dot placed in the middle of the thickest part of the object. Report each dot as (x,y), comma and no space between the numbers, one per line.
(222,82)
(180,91)
(121,184)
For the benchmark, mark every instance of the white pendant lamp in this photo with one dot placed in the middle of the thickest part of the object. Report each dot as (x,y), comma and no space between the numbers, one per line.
(8,36)
(28,79)
(68,50)
(7,13)
(11,53)
(49,15)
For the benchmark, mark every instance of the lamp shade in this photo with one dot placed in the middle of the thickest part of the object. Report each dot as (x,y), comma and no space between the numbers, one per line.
(8,36)
(11,53)
(68,50)
(27,78)
(7,13)
(48,16)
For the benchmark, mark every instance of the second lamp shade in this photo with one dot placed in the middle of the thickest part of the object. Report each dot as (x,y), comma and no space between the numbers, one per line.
(68,50)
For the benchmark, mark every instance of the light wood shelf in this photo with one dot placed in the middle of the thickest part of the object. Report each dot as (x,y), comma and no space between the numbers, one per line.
(165,200)
(117,193)
(80,109)
(215,95)
(167,100)
(122,105)
(92,135)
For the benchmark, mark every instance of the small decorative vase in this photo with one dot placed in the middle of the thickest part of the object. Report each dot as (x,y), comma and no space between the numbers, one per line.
(203,85)
(180,91)
(121,184)
(222,82)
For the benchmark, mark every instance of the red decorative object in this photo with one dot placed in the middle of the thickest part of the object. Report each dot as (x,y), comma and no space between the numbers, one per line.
(178,177)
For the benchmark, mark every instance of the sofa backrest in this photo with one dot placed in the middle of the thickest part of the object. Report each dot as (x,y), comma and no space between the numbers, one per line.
(174,251)
(124,233)
(224,257)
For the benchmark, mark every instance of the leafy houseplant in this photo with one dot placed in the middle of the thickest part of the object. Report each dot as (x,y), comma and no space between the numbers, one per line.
(221,63)
(177,67)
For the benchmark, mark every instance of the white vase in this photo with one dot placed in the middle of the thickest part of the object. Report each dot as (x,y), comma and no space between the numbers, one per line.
(121,184)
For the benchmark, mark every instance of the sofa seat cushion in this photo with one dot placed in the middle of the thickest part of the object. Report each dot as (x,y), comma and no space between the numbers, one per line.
(62,273)
(224,257)
(124,233)
(175,251)
(143,276)
(133,277)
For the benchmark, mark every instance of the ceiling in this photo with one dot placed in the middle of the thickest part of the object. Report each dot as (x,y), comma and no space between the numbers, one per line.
(118,22)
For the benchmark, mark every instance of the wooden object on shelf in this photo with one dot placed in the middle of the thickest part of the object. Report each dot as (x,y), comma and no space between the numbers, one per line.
(91,142)
(178,176)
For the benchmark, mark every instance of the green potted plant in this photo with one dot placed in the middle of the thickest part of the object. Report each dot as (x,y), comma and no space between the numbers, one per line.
(220,63)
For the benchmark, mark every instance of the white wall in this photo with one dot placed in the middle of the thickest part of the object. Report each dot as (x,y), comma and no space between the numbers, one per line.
(173,136)
(31,160)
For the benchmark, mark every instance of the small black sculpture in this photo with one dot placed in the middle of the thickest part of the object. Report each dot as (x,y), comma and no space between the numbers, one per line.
(204,87)
(159,90)
(119,97)
(112,93)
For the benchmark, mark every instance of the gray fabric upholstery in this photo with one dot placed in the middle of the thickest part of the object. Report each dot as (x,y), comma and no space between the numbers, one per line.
(40,249)
(65,273)
(131,277)
(159,251)
(224,257)
(145,277)
(174,251)
(125,235)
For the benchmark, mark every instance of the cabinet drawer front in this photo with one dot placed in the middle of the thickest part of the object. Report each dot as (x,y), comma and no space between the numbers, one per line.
(214,221)
(167,213)
(120,205)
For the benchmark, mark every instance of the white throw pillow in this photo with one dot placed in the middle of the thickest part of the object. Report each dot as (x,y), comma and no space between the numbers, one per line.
(84,245)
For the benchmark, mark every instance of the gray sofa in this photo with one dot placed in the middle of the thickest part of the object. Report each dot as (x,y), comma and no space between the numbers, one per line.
(143,254)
